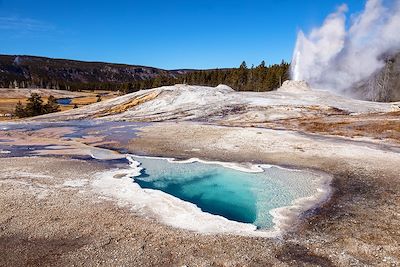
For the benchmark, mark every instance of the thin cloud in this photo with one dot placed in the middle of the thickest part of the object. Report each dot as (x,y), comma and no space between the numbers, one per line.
(23,24)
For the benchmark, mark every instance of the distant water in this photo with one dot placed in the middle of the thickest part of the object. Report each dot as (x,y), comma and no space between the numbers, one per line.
(235,195)
(64,101)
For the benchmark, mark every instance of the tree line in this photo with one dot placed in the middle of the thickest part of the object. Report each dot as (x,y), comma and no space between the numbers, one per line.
(260,78)
(255,78)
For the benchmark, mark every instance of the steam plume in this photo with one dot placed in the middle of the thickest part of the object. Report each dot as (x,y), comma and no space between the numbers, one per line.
(334,56)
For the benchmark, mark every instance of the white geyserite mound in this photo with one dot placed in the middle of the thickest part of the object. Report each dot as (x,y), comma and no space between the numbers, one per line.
(294,86)
(187,102)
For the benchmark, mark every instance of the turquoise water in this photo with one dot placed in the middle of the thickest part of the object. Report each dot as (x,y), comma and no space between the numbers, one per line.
(235,195)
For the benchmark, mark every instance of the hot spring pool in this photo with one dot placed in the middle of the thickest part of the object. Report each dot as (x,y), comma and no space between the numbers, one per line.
(235,195)
(200,196)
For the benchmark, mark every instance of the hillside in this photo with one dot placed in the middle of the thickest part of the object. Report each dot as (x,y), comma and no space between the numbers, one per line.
(72,75)
(31,71)
(62,74)
(384,85)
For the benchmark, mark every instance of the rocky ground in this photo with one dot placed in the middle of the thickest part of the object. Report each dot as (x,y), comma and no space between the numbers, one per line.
(358,226)
(51,216)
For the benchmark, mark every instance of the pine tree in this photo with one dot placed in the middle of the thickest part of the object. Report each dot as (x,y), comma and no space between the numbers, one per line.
(242,76)
(20,110)
(52,105)
(34,106)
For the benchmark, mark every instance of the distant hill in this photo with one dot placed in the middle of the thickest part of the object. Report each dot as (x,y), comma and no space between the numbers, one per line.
(72,75)
(384,85)
(32,71)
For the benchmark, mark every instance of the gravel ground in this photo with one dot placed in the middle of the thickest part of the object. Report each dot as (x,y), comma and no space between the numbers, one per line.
(51,217)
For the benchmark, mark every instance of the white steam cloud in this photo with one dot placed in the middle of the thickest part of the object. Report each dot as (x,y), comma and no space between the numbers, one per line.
(334,56)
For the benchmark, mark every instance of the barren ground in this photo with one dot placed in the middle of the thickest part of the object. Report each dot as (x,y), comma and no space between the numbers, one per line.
(46,219)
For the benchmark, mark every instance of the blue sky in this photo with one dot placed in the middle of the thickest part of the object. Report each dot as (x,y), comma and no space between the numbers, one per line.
(167,34)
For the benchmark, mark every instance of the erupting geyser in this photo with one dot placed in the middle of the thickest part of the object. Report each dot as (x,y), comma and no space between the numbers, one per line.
(296,63)
(335,57)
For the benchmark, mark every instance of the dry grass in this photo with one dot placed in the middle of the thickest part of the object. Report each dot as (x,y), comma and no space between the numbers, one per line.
(387,129)
(12,100)
(66,107)
(7,105)
(378,126)
(84,100)
(373,125)
(2,119)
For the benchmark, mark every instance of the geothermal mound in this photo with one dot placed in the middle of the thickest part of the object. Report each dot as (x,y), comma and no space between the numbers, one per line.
(180,102)
(294,86)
